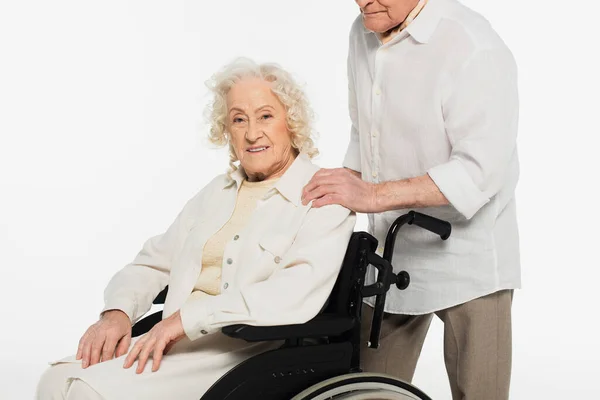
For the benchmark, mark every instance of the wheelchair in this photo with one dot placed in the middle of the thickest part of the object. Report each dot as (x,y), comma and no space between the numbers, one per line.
(320,359)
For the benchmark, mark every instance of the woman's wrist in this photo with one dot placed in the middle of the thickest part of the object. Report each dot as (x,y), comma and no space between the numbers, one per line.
(114,313)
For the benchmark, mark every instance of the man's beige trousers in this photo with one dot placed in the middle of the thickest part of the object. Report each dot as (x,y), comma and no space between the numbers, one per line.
(477,346)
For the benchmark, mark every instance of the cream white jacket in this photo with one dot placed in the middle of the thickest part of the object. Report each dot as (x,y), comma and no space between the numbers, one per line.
(280,269)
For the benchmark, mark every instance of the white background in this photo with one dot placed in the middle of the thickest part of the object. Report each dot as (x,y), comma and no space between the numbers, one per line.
(103,141)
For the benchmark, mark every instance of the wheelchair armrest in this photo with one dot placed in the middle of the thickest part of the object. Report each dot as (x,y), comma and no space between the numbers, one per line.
(321,325)
(162,296)
(145,324)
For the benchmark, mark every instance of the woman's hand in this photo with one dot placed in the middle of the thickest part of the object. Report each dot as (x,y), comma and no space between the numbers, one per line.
(157,342)
(111,333)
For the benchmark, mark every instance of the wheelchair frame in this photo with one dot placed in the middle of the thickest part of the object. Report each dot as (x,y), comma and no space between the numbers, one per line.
(327,346)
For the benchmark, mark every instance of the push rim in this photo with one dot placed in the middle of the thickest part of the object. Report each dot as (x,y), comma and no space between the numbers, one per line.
(344,387)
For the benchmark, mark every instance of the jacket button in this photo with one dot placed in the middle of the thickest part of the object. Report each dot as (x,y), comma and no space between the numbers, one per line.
(236,237)
(229,261)
(203,332)
(277,260)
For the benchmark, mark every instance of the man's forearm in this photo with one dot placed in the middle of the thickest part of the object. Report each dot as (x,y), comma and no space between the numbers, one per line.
(408,193)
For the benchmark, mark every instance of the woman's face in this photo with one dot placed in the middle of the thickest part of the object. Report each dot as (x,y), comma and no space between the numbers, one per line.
(256,121)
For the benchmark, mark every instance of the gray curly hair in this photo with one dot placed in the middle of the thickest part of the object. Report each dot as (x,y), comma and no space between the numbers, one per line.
(299,115)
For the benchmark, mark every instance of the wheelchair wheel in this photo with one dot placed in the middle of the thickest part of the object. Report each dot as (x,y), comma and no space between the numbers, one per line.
(362,386)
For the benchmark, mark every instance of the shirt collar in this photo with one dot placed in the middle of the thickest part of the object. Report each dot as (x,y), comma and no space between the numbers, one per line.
(290,184)
(424,25)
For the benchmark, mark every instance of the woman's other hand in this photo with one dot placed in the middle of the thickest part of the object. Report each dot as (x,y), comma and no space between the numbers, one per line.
(156,342)
(109,336)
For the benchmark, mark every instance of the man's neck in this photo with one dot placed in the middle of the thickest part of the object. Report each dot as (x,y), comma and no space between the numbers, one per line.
(385,37)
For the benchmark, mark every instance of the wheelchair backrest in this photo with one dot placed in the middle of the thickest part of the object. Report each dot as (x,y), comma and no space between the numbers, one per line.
(346,291)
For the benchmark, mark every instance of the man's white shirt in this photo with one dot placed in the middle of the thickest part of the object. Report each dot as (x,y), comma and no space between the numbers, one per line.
(440,98)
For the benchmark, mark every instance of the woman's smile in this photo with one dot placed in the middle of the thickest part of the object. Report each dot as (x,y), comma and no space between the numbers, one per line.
(257,149)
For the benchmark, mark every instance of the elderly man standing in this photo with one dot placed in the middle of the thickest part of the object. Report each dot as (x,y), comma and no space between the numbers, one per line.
(434,108)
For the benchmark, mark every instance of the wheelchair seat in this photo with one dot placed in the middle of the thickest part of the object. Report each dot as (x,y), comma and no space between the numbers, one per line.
(320,359)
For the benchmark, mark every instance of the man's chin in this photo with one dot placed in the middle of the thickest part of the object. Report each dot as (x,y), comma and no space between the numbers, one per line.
(373,26)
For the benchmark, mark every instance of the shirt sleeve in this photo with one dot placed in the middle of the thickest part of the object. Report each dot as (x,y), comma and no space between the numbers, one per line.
(294,293)
(481,117)
(134,288)
(352,158)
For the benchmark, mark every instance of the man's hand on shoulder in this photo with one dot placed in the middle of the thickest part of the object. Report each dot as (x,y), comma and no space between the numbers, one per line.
(341,186)
(345,187)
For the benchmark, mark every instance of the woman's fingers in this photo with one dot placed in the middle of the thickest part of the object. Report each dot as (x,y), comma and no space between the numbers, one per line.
(86,353)
(154,344)
(108,350)
(90,345)
(145,354)
(129,360)
(83,351)
(81,345)
(99,343)
(97,346)
(123,345)
(157,355)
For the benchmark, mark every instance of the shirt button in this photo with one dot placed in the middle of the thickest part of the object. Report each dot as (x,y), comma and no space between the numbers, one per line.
(229,261)
(374,133)
(377,91)
(374,174)
(236,237)
(226,285)
(203,332)
(277,260)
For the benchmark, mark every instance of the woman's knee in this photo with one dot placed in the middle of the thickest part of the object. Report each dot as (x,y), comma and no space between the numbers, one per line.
(79,390)
(53,382)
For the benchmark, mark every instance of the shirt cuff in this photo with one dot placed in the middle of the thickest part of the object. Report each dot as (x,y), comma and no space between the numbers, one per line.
(196,318)
(121,304)
(457,185)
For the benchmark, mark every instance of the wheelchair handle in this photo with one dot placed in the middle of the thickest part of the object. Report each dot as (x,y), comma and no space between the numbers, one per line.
(386,276)
(432,224)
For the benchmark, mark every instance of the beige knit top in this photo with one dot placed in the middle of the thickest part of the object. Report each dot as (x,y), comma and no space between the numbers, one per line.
(209,281)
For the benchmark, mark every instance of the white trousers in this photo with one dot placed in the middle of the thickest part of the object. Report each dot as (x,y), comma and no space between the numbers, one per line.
(55,384)
(186,372)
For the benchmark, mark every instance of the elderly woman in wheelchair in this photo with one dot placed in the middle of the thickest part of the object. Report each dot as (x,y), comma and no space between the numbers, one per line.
(257,304)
